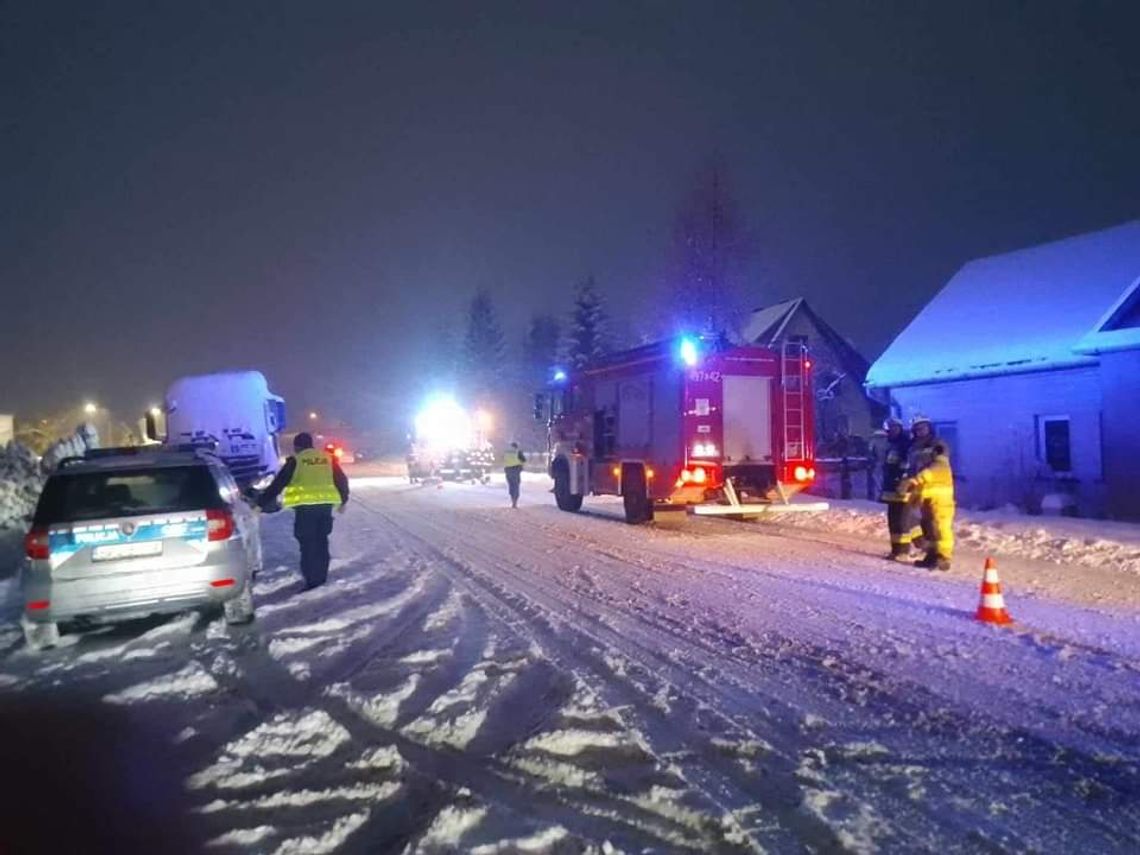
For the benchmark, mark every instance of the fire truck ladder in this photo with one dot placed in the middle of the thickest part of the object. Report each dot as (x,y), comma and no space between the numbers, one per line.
(793,368)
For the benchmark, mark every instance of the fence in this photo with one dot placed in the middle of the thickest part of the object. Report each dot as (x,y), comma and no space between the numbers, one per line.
(846,478)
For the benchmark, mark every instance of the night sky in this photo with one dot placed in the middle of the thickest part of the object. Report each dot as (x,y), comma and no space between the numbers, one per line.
(309,187)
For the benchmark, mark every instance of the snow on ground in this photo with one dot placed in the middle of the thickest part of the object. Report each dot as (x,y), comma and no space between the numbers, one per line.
(1061,540)
(481,679)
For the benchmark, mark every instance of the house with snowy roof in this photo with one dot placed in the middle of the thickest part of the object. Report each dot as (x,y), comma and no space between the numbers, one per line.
(1029,364)
(842,404)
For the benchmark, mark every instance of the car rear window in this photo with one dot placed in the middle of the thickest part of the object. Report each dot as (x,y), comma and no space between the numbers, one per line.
(136,492)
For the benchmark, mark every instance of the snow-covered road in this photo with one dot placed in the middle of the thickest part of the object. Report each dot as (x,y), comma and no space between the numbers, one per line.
(480,679)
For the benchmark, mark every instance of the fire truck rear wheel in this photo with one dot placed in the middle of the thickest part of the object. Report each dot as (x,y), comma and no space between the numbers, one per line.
(635,496)
(566,500)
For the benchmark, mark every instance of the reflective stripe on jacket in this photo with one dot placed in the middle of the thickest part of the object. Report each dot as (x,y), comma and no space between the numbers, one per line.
(512,458)
(312,482)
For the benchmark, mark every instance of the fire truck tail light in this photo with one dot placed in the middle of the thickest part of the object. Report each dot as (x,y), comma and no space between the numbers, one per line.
(802,473)
(617,471)
(700,475)
(649,473)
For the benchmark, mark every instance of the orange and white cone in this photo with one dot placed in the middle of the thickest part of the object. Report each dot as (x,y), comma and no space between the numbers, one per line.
(992,607)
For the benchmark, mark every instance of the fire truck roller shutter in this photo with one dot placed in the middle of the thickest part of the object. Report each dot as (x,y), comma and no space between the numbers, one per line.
(747,419)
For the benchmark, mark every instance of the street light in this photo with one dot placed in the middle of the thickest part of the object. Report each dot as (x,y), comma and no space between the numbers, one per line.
(313,416)
(156,411)
(90,408)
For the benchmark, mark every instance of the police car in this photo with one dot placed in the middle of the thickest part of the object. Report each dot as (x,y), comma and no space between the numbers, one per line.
(122,533)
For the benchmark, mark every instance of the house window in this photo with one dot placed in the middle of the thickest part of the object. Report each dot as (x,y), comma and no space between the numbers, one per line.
(1053,442)
(948,433)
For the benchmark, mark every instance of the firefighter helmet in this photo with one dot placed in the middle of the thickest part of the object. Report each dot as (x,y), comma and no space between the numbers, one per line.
(892,422)
(921,420)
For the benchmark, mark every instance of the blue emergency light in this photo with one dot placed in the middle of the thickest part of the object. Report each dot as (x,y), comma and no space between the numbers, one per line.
(689,351)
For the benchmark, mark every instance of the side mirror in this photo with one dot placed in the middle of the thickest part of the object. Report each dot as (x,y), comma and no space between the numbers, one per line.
(275,415)
(540,407)
(151,427)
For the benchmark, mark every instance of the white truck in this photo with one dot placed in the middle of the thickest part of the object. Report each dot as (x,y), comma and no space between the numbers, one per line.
(235,411)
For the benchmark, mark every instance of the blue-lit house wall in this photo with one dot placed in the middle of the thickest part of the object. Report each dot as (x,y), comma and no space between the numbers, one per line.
(994,426)
(1120,381)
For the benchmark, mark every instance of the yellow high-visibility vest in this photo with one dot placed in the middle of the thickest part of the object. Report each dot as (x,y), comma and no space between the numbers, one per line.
(512,458)
(312,482)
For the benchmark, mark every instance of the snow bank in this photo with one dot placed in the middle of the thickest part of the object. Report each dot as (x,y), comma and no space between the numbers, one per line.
(1088,543)
(20,485)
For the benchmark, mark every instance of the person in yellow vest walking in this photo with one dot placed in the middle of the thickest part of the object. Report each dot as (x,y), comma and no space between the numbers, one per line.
(933,489)
(513,462)
(313,483)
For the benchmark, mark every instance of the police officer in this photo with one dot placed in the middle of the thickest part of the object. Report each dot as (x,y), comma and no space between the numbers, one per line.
(513,462)
(895,460)
(313,483)
(934,489)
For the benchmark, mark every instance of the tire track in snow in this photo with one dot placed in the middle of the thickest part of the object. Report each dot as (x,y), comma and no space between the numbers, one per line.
(832,677)
(718,777)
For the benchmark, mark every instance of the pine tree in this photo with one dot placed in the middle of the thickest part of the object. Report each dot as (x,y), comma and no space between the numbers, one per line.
(483,356)
(587,336)
(709,256)
(540,349)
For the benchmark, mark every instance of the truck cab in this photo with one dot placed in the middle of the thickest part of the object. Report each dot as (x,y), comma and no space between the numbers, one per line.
(236,412)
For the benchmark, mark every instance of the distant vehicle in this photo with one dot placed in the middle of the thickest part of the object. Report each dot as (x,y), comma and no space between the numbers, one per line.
(237,412)
(342,454)
(682,424)
(123,533)
(450,444)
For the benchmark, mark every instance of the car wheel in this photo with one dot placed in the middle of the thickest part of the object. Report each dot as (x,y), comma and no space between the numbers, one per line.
(40,636)
(240,608)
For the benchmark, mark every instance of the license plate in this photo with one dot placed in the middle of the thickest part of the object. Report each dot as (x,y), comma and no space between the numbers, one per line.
(117,551)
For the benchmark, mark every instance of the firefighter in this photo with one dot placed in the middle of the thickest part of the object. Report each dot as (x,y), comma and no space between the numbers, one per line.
(899,517)
(313,483)
(920,456)
(513,462)
(933,488)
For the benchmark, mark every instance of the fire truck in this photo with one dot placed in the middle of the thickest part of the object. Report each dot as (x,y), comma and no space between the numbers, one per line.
(450,444)
(690,424)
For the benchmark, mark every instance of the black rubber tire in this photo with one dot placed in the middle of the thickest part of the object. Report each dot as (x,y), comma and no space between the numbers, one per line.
(566,500)
(635,499)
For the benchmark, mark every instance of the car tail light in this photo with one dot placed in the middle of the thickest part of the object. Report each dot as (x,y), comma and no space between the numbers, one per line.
(37,544)
(222,583)
(219,525)
(38,605)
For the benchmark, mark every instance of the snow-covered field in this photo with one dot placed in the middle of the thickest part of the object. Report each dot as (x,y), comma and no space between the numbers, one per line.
(481,679)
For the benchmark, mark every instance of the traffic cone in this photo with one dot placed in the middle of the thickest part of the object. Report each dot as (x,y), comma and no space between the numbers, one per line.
(991,609)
